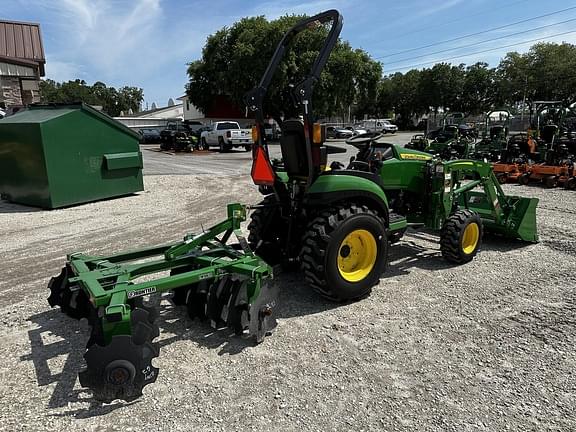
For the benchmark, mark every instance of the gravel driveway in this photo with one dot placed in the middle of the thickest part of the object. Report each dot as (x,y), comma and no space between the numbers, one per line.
(485,346)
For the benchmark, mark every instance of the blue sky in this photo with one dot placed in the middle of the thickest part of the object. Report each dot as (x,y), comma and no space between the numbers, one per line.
(147,43)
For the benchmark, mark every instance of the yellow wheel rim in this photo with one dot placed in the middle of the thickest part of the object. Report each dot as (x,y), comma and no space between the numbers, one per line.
(470,238)
(357,255)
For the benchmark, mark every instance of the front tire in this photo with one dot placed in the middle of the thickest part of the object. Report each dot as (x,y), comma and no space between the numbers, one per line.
(345,250)
(461,237)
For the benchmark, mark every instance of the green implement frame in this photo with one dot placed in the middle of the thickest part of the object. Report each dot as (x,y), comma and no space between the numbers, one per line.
(224,283)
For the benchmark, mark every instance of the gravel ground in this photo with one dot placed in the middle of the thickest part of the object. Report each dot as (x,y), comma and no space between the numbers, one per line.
(485,346)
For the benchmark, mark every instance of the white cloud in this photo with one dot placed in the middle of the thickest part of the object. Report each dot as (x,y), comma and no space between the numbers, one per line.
(118,42)
(63,71)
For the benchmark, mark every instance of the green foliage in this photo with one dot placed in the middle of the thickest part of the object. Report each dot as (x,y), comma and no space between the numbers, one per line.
(235,58)
(112,101)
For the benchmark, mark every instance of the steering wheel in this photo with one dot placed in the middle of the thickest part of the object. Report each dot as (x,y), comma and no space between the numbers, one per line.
(359,165)
(364,138)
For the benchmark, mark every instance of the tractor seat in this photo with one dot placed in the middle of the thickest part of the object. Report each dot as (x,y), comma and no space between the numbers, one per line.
(498,131)
(293,147)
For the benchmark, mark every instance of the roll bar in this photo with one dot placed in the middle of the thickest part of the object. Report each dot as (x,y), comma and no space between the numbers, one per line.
(303,90)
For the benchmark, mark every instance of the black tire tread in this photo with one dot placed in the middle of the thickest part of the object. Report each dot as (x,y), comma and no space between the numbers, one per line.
(315,243)
(451,233)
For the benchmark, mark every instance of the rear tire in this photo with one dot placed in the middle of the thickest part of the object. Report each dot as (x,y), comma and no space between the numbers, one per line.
(524,179)
(344,252)
(550,182)
(268,231)
(461,237)
(570,183)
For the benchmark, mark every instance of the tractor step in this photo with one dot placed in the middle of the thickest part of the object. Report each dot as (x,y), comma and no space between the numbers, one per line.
(224,284)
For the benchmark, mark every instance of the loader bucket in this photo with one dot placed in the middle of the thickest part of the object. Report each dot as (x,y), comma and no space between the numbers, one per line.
(522,219)
(517,221)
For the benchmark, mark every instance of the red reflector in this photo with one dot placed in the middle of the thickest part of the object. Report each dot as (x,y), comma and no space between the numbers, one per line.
(262,172)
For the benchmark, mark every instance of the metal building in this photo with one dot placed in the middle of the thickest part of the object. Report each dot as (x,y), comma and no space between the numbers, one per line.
(22,63)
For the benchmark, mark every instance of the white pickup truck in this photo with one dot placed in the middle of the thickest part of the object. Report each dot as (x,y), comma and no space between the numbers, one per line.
(226,135)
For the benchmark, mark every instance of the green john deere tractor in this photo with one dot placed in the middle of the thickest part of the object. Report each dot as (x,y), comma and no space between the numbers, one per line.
(337,222)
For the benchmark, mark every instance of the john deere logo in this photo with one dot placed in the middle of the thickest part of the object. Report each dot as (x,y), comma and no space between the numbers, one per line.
(413,156)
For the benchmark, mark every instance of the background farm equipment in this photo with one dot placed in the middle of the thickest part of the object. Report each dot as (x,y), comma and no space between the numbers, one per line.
(495,136)
(453,140)
(178,136)
(555,155)
(418,142)
(216,281)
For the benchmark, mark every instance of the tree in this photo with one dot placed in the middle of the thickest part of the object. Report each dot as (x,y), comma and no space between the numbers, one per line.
(111,100)
(477,90)
(234,59)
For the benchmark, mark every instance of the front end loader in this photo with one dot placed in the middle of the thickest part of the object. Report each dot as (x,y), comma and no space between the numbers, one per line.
(337,223)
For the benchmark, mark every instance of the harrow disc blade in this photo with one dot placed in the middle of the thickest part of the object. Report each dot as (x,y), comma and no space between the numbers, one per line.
(237,309)
(262,311)
(218,298)
(121,369)
(196,300)
(56,286)
(72,300)
(143,329)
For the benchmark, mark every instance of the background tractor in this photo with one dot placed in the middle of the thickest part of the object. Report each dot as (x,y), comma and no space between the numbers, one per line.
(337,222)
(495,136)
(453,140)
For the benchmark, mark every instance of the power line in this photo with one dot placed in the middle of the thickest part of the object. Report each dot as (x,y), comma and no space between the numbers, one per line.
(482,42)
(480,52)
(477,33)
(467,17)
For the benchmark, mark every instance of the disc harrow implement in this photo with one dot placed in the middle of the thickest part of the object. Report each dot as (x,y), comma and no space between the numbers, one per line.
(224,284)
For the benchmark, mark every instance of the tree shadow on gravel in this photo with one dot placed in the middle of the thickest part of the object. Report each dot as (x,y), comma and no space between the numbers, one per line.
(70,339)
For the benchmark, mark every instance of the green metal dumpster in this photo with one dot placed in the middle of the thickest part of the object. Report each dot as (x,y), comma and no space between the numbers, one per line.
(59,155)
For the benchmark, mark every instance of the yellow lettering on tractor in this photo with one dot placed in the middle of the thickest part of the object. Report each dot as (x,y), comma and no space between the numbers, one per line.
(413,156)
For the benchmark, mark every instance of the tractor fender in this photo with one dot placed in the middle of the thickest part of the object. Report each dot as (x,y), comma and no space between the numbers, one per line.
(339,186)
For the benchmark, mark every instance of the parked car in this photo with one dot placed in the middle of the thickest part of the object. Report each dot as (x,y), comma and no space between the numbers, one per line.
(226,135)
(338,132)
(380,125)
(356,130)
(150,136)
